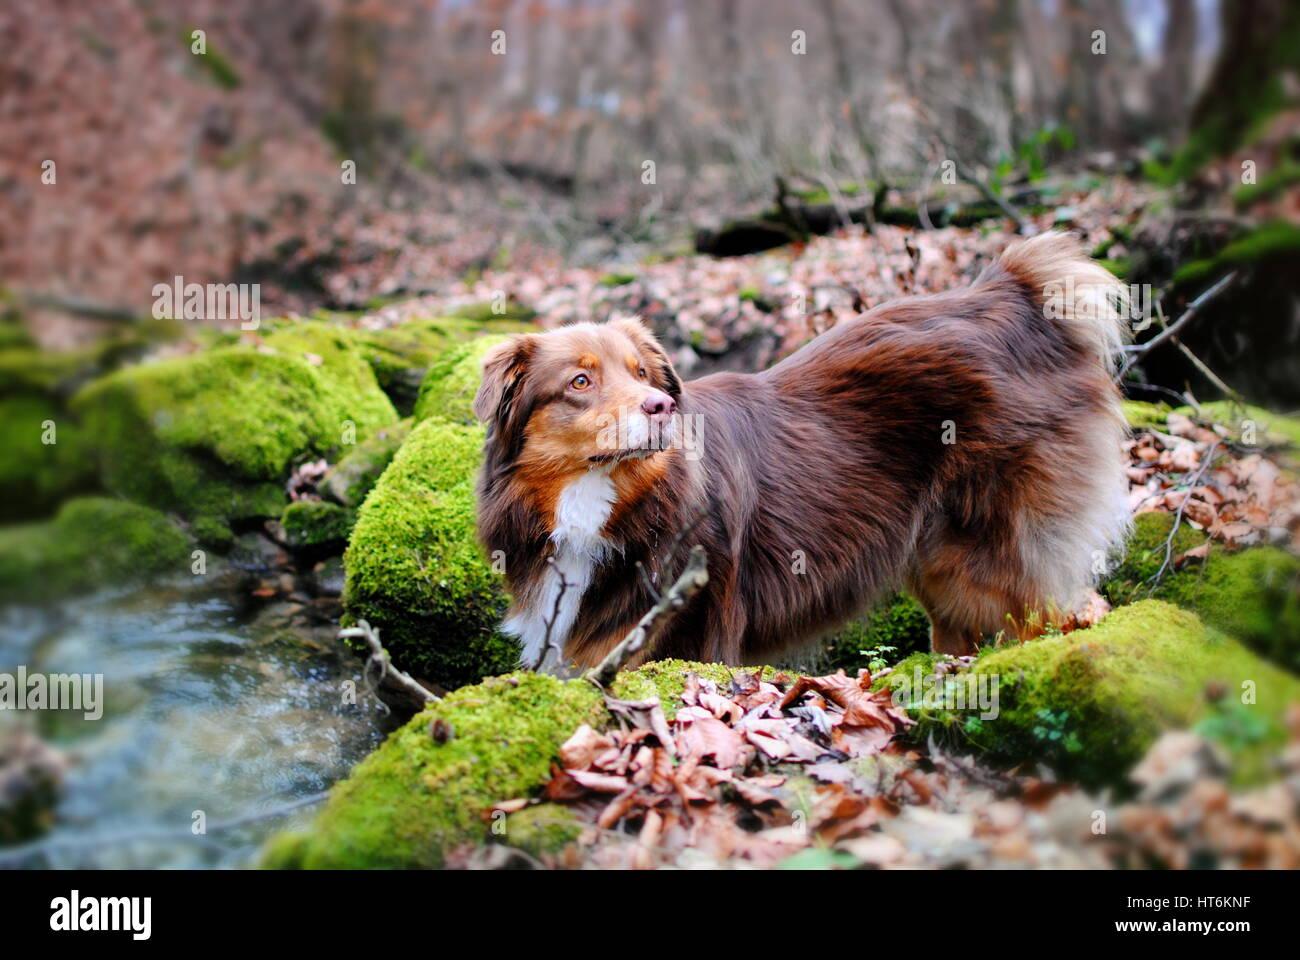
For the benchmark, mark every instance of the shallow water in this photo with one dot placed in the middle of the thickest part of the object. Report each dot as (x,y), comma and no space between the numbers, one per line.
(212,703)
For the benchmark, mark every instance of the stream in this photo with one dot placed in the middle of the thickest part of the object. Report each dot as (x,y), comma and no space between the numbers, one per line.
(215,699)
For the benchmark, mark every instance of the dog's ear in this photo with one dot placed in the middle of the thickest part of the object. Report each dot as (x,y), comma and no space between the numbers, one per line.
(661,369)
(497,402)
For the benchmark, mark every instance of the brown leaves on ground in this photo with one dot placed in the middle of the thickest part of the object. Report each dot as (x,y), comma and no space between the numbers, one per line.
(845,794)
(1236,498)
(706,785)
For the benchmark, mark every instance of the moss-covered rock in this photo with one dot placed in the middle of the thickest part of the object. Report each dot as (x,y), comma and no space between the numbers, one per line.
(415,568)
(43,372)
(417,797)
(1091,702)
(1252,595)
(447,392)
(213,434)
(93,542)
(36,475)
(354,391)
(355,475)
(400,355)
(316,527)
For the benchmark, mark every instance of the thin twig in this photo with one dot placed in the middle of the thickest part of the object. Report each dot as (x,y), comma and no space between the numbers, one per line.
(1141,350)
(1178,516)
(380,661)
(547,645)
(692,581)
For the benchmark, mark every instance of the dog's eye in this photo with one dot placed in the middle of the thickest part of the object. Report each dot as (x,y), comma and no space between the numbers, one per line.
(641,372)
(580,382)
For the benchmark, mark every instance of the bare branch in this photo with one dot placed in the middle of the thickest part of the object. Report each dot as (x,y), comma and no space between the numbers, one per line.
(383,665)
(1141,350)
(692,581)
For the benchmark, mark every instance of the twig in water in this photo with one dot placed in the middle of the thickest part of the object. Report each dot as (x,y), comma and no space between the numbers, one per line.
(692,581)
(380,661)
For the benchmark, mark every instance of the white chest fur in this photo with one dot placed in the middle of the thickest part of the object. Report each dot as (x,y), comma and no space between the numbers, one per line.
(581,513)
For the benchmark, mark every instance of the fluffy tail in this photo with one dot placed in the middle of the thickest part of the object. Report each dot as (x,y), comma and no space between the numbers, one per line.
(1076,291)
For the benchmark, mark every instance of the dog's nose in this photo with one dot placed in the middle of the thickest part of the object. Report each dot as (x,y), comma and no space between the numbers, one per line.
(658,403)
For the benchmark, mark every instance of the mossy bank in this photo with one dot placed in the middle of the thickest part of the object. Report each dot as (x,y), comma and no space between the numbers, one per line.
(415,567)
(432,784)
(1091,702)
(92,542)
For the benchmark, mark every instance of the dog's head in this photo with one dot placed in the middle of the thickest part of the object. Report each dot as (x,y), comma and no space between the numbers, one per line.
(579,396)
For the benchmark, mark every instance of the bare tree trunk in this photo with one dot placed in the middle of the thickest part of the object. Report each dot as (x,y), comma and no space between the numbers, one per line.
(1171,82)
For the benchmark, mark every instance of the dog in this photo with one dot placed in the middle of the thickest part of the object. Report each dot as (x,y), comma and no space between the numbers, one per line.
(965,446)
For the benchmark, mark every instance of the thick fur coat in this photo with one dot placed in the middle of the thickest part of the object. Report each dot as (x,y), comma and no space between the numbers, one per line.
(964,446)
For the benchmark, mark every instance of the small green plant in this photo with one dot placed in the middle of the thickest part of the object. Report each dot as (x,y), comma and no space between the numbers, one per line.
(1031,155)
(1051,730)
(1234,725)
(878,657)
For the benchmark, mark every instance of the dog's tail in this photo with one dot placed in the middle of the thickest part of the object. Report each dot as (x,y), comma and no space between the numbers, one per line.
(1074,290)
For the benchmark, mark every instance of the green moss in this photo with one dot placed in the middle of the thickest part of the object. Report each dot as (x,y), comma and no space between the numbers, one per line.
(899,623)
(415,568)
(1090,703)
(44,372)
(92,542)
(666,679)
(448,389)
(1238,418)
(1277,238)
(220,70)
(1252,595)
(541,828)
(1144,554)
(616,279)
(1142,415)
(36,476)
(1119,267)
(354,391)
(316,526)
(1272,184)
(512,318)
(354,476)
(212,532)
(400,355)
(214,434)
(415,798)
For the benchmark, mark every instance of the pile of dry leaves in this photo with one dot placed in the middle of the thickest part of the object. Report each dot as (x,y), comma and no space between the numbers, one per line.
(1202,475)
(808,772)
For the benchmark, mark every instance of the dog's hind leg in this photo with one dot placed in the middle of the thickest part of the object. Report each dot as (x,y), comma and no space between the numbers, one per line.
(947,637)
(967,596)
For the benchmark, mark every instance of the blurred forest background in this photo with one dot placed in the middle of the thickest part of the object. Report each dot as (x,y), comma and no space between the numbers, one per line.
(766,121)
(398,177)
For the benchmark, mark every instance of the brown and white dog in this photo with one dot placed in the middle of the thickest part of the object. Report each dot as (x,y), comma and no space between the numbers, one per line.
(965,446)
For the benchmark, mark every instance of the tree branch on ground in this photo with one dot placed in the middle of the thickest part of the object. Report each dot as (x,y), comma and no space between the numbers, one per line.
(382,666)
